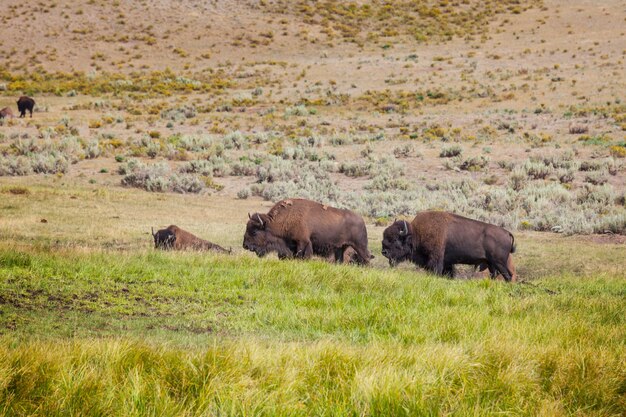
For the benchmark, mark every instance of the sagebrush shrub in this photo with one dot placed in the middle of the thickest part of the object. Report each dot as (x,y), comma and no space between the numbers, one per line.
(92,150)
(356,169)
(49,163)
(536,170)
(596,178)
(235,140)
(405,151)
(158,178)
(15,166)
(243,193)
(450,152)
(477,163)
(577,129)
(179,113)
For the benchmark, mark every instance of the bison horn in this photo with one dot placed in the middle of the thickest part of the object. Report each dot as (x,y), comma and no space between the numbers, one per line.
(249,216)
(152,231)
(259,217)
(406,229)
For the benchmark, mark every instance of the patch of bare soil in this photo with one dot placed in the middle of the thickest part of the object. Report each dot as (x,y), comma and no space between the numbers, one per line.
(606,239)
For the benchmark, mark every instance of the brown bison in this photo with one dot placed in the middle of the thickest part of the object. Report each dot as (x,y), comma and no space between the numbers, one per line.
(6,112)
(438,240)
(175,238)
(303,228)
(25,103)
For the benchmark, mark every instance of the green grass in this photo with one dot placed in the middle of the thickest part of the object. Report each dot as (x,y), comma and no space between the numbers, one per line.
(92,332)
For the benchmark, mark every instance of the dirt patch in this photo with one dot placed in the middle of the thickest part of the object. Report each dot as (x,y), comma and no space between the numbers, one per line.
(607,239)
(192,329)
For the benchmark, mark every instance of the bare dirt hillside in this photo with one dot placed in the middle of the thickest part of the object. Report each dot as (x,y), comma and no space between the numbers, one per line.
(511,97)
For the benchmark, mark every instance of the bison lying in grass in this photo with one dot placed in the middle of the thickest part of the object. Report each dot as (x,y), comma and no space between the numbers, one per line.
(303,228)
(6,113)
(439,240)
(175,238)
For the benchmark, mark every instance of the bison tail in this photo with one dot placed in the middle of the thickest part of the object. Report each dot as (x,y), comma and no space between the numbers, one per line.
(513,248)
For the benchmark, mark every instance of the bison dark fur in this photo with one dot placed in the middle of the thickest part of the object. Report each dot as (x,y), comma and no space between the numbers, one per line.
(6,113)
(493,272)
(438,240)
(175,238)
(303,228)
(25,103)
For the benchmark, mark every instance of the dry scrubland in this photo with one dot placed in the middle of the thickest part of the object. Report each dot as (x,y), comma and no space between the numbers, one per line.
(195,114)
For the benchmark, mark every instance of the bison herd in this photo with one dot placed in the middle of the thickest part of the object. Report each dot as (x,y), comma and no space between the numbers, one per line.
(24,104)
(299,228)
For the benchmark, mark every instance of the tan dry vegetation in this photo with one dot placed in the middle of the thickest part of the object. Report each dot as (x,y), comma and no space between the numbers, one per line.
(506,83)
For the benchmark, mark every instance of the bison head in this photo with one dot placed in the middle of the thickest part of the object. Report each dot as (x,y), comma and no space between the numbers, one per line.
(260,239)
(163,239)
(397,245)
(255,238)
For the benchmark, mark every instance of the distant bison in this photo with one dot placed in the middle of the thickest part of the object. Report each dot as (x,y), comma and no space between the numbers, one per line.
(303,228)
(439,240)
(25,103)
(175,238)
(6,112)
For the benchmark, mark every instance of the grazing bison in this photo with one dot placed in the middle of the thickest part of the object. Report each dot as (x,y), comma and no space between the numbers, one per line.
(302,228)
(439,240)
(175,238)
(25,103)
(6,112)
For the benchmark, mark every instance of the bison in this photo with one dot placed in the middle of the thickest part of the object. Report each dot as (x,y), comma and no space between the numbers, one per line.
(6,113)
(302,228)
(25,103)
(175,238)
(438,240)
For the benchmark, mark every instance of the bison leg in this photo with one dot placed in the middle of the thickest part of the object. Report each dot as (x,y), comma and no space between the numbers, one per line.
(304,249)
(448,270)
(511,268)
(363,256)
(502,268)
(482,267)
(435,264)
(493,272)
(339,255)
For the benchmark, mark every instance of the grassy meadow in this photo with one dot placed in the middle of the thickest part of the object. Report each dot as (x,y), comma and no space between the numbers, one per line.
(198,113)
(149,333)
(113,327)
